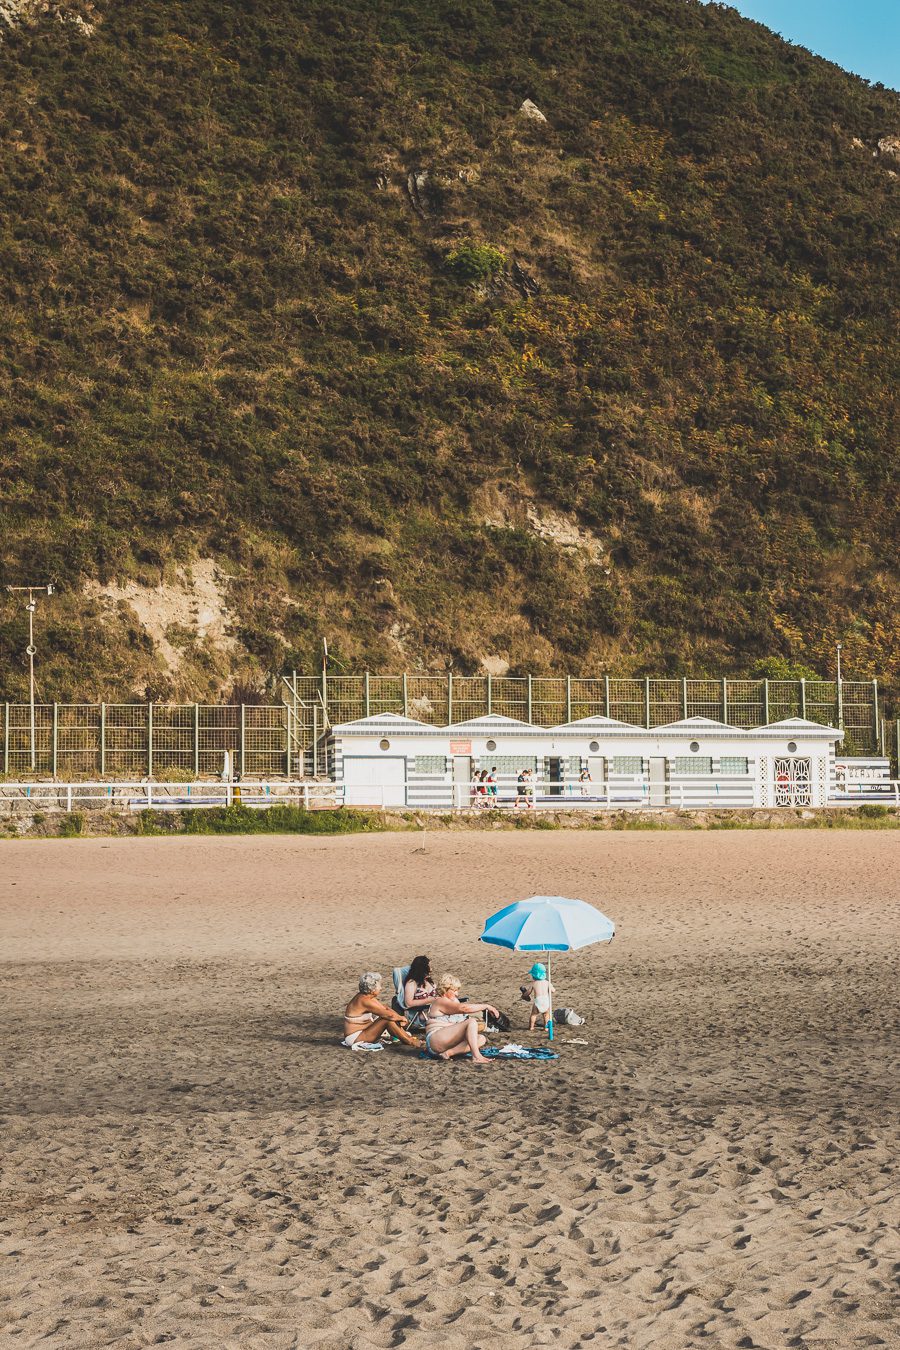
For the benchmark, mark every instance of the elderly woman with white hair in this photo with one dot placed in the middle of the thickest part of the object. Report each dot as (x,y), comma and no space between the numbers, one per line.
(366,1018)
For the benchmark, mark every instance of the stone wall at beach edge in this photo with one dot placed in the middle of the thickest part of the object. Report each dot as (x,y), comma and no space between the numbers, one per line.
(25,823)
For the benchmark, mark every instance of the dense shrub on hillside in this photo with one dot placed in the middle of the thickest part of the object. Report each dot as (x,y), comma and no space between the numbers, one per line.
(662,435)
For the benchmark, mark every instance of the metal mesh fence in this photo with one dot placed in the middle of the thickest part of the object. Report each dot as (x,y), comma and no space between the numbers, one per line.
(551,700)
(135,740)
(123,740)
(856,699)
(78,740)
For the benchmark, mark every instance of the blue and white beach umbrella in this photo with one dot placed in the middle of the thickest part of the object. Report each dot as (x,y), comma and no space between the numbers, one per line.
(548,923)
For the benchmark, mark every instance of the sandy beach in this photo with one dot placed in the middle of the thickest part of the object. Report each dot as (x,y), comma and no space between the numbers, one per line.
(190,1158)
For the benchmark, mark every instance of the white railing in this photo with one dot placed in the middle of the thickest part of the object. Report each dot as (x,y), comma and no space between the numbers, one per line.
(620,793)
(438,794)
(856,792)
(144,795)
(549,795)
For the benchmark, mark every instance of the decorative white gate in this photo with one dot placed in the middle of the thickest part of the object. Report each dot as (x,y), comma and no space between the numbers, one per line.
(793,783)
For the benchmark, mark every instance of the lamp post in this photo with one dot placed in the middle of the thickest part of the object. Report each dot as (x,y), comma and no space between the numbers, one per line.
(30,607)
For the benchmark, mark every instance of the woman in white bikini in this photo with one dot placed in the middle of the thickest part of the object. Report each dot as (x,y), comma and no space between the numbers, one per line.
(365,1018)
(451,1029)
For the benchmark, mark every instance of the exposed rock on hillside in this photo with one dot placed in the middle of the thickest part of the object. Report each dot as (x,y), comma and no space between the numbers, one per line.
(190,610)
(532,111)
(80,13)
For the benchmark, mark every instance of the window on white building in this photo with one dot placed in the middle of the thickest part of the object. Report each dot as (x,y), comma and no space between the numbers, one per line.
(431,764)
(693,764)
(626,764)
(508,763)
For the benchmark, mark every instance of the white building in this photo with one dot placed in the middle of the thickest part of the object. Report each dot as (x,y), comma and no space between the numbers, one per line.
(397,761)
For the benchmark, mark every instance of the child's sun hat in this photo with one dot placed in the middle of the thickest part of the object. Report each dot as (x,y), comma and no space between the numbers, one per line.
(538,972)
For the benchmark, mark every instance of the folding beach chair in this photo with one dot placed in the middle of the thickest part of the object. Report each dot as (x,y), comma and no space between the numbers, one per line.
(415,1018)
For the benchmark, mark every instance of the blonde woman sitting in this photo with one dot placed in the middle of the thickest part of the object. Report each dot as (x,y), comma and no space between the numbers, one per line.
(450,1028)
(366,1018)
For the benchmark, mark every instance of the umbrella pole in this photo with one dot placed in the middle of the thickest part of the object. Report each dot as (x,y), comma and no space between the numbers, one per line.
(550,996)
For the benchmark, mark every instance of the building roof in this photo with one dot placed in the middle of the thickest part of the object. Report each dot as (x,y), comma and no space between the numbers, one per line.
(492,720)
(377,721)
(598,722)
(696,724)
(394,723)
(800,724)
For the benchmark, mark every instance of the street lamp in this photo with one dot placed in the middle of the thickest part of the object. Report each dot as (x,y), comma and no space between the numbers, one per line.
(30,606)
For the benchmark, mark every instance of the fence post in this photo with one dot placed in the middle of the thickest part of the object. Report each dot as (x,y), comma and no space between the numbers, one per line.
(102,740)
(306,796)
(684,708)
(149,740)
(489,695)
(606,694)
(766,703)
(197,740)
(803,697)
(840,703)
(724,698)
(568,698)
(6,740)
(287,740)
(875,711)
(243,741)
(647,701)
(315,744)
(55,751)
(449,698)
(367,704)
(530,717)
(405,694)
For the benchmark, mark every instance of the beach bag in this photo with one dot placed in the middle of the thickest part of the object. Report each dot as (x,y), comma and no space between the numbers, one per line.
(501,1023)
(570,1017)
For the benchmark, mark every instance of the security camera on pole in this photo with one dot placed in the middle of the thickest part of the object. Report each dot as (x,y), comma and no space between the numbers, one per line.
(30,606)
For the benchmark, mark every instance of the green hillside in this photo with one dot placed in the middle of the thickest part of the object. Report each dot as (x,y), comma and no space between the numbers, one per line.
(307,328)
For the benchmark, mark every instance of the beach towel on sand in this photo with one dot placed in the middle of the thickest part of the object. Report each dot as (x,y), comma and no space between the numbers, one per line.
(504,1052)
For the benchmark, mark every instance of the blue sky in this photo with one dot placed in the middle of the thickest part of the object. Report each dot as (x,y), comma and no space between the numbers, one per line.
(860,35)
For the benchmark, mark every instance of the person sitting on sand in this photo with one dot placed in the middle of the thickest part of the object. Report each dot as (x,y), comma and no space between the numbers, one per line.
(365,1018)
(451,1029)
(419,988)
(539,992)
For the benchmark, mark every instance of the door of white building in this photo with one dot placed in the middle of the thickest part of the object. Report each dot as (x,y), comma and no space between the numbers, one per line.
(658,781)
(793,782)
(371,781)
(462,780)
(597,769)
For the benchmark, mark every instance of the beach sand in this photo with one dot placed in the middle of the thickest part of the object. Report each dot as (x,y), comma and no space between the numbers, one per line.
(189,1157)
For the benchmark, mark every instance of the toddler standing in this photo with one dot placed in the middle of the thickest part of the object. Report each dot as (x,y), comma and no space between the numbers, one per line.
(539,992)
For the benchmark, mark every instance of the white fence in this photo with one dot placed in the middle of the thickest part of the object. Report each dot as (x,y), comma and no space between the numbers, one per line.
(622,792)
(437,794)
(141,796)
